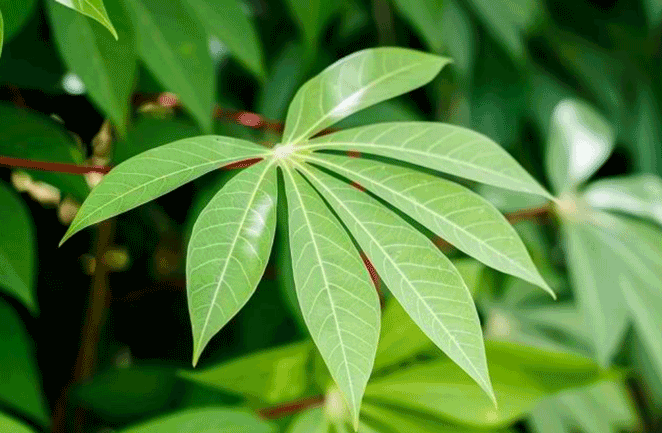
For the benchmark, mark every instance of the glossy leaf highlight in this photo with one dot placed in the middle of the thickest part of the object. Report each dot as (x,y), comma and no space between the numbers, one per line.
(94,9)
(156,172)
(229,250)
(338,301)
(446,148)
(356,82)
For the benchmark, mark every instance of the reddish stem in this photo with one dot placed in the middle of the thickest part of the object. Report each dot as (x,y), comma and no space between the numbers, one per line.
(58,167)
(290,407)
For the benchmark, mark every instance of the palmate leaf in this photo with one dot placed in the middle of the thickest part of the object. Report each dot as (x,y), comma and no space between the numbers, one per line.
(451,211)
(229,250)
(447,148)
(339,303)
(93,9)
(356,82)
(156,172)
(422,279)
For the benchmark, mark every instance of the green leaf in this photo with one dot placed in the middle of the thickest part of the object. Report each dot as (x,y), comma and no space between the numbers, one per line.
(106,66)
(17,248)
(175,51)
(272,376)
(459,36)
(638,194)
(33,136)
(10,425)
(522,377)
(156,172)
(15,15)
(580,141)
(421,278)
(20,387)
(354,83)
(218,420)
(447,148)
(227,20)
(2,32)
(339,303)
(425,16)
(93,9)
(311,16)
(598,292)
(449,210)
(229,250)
(310,421)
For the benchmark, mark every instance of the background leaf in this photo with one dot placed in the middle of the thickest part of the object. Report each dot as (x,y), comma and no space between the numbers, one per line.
(338,301)
(175,51)
(17,248)
(221,420)
(15,15)
(425,16)
(227,20)
(11,425)
(580,141)
(156,172)
(229,250)
(356,82)
(106,66)
(93,9)
(451,149)
(421,278)
(312,16)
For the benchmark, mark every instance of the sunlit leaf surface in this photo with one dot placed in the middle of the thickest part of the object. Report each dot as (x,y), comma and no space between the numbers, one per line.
(156,172)
(446,148)
(422,279)
(356,82)
(93,9)
(229,250)
(338,301)
(206,420)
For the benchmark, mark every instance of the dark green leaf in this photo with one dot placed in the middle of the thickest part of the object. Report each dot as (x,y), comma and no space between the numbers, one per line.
(106,66)
(32,136)
(20,384)
(426,16)
(229,250)
(17,248)
(15,14)
(312,16)
(175,50)
(227,20)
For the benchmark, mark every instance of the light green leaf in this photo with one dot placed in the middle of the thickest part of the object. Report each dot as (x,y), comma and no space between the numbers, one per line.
(311,17)
(580,141)
(339,303)
(310,421)
(229,250)
(227,20)
(653,10)
(175,50)
(2,32)
(598,292)
(20,384)
(522,377)
(15,15)
(17,248)
(421,278)
(639,195)
(272,376)
(156,172)
(426,17)
(106,66)
(354,83)
(10,425)
(447,148)
(217,420)
(93,9)
(451,211)
(28,135)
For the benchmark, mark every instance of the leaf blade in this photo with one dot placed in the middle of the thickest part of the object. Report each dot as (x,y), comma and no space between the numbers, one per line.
(160,165)
(218,419)
(354,310)
(94,9)
(382,234)
(410,142)
(248,217)
(356,82)
(451,211)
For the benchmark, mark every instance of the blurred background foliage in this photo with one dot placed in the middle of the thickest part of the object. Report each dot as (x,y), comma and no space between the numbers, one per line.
(95,336)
